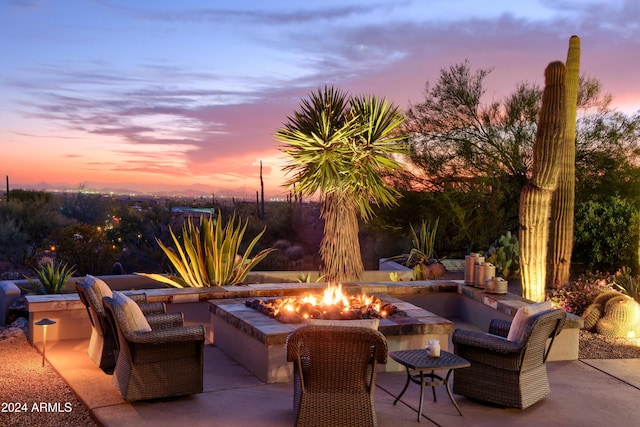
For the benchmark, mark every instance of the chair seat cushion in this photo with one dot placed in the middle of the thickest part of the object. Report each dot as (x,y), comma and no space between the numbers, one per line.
(136,321)
(520,320)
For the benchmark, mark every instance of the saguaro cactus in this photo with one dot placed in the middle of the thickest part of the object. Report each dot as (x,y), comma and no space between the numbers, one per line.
(563,200)
(535,198)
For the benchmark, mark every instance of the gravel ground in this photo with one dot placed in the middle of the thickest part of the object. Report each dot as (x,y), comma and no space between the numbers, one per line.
(596,346)
(32,395)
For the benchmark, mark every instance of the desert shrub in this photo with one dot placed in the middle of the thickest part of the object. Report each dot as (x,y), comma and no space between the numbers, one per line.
(88,248)
(25,226)
(606,234)
(576,296)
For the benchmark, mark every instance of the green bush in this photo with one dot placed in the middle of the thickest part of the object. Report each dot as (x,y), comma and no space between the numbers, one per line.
(606,234)
(87,247)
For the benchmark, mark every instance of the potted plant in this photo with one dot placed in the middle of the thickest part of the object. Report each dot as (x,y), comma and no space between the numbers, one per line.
(422,258)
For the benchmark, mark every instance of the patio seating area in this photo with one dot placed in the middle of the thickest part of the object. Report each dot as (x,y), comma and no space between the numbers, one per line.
(583,392)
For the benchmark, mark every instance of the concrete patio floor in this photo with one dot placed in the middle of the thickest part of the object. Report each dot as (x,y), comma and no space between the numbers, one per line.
(583,393)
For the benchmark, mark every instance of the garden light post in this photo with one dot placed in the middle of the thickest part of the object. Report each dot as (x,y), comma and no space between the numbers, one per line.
(44,322)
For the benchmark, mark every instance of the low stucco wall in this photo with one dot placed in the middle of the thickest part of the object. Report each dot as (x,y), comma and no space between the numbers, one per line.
(9,293)
(446,298)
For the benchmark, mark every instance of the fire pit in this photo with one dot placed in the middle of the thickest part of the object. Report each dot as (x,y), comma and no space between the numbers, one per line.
(257,341)
(333,305)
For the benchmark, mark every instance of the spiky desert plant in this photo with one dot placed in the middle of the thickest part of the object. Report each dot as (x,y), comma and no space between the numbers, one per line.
(209,254)
(51,278)
(604,297)
(535,198)
(341,147)
(563,200)
(627,283)
(504,253)
(621,318)
(424,242)
(591,316)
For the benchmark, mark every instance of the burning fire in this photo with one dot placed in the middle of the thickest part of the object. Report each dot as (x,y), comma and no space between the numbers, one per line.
(332,304)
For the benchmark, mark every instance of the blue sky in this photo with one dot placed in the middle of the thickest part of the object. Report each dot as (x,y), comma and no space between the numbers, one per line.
(151,95)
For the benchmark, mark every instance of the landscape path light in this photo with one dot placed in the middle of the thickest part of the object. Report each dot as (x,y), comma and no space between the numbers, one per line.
(44,322)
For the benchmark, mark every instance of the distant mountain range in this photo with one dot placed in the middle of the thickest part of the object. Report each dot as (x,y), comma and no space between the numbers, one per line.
(191,191)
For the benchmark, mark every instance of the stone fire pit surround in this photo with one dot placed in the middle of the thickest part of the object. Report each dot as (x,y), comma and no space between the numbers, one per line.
(257,341)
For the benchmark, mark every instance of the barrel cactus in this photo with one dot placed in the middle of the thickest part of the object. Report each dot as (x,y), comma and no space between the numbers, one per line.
(622,309)
(604,297)
(620,316)
(591,315)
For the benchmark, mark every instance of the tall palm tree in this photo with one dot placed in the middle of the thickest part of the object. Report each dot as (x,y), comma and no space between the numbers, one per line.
(341,146)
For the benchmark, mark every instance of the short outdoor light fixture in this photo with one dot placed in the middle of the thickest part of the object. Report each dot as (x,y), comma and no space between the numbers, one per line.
(44,322)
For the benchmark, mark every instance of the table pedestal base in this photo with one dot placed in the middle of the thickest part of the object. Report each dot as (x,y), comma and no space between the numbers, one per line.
(430,379)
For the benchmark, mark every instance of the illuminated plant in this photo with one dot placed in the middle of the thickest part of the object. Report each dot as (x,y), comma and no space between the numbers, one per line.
(627,283)
(209,254)
(535,197)
(51,278)
(563,201)
(341,147)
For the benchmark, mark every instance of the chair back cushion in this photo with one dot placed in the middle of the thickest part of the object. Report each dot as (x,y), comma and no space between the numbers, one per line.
(522,317)
(136,322)
(356,323)
(99,286)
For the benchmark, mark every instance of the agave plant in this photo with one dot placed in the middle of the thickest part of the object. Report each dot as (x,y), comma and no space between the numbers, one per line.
(422,257)
(306,278)
(51,278)
(627,283)
(423,251)
(209,254)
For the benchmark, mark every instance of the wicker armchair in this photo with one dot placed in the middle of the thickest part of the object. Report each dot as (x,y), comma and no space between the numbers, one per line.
(507,373)
(334,374)
(103,345)
(164,362)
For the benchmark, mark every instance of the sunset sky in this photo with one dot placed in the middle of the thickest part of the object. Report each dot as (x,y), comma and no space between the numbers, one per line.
(166,94)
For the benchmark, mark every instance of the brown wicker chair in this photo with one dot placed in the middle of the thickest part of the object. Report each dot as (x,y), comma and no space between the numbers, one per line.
(334,374)
(507,373)
(165,362)
(103,345)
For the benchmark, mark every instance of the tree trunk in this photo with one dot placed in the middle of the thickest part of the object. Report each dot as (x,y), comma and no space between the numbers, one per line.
(340,246)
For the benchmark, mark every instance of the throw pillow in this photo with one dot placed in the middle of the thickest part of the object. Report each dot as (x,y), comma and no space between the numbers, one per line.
(520,320)
(358,323)
(136,321)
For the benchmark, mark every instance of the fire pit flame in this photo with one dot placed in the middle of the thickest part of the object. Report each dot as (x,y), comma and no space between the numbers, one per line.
(332,304)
